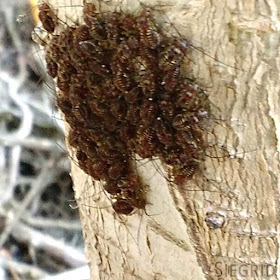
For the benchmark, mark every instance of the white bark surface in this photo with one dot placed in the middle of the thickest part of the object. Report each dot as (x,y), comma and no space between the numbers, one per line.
(172,240)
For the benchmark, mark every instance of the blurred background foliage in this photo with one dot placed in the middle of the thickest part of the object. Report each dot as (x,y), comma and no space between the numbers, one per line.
(40,235)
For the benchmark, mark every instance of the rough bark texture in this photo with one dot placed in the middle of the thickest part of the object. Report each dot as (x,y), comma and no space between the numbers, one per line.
(175,238)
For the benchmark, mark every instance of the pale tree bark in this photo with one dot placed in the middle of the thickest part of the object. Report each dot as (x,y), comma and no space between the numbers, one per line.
(231,218)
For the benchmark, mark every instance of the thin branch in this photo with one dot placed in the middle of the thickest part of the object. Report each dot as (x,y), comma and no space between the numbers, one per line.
(23,269)
(13,173)
(48,223)
(39,184)
(81,273)
(68,254)
(35,143)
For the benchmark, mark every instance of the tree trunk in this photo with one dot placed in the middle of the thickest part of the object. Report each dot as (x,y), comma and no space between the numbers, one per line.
(225,223)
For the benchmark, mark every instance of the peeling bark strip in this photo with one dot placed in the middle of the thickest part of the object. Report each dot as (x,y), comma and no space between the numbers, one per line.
(176,241)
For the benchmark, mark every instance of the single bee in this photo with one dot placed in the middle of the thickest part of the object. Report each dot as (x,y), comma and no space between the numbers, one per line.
(47,17)
(52,68)
(123,206)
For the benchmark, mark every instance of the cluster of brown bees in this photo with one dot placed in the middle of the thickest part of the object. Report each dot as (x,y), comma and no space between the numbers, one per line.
(122,93)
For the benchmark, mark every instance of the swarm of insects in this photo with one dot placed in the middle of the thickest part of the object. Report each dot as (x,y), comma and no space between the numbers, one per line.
(122,92)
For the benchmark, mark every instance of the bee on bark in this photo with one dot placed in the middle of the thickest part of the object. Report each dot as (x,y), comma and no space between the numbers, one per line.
(135,195)
(123,53)
(98,170)
(82,160)
(53,50)
(188,96)
(123,206)
(82,33)
(115,156)
(147,81)
(109,90)
(148,30)
(183,121)
(79,62)
(94,90)
(133,95)
(118,109)
(184,173)
(52,68)
(147,143)
(170,79)
(66,66)
(149,56)
(133,43)
(66,38)
(106,154)
(167,109)
(72,120)
(139,200)
(94,21)
(110,122)
(133,115)
(90,13)
(98,108)
(117,170)
(93,134)
(101,70)
(148,111)
(121,78)
(78,80)
(145,75)
(64,75)
(180,122)
(90,48)
(198,116)
(82,112)
(74,138)
(111,187)
(77,93)
(122,81)
(47,17)
(112,25)
(64,105)
(172,56)
(111,142)
(90,150)
(151,37)
(63,85)
(81,156)
(130,182)
(128,27)
(185,138)
(127,131)
(170,156)
(164,132)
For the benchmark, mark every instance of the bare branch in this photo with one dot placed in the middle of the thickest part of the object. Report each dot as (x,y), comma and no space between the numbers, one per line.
(59,249)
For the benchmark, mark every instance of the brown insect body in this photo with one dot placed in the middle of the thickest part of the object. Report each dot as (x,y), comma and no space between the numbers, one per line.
(111,187)
(148,111)
(123,206)
(170,79)
(52,68)
(47,17)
